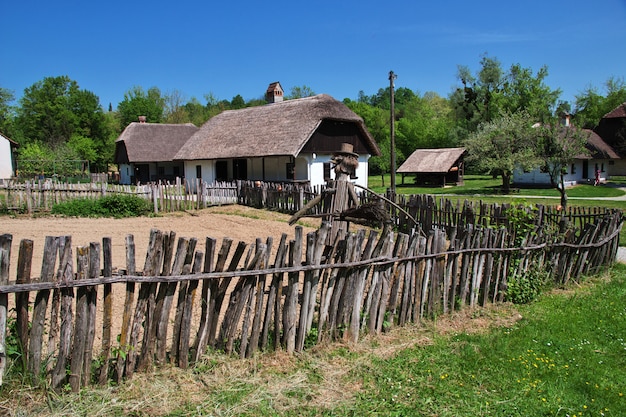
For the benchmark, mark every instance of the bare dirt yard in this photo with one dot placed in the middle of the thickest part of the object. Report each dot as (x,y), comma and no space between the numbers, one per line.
(239,223)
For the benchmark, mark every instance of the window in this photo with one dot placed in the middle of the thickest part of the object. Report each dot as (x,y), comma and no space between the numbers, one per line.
(573,170)
(326,171)
(198,171)
(221,171)
(291,171)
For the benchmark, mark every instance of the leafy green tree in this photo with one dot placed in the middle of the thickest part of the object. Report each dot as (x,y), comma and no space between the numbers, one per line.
(54,110)
(591,105)
(524,91)
(6,112)
(300,92)
(504,144)
(237,102)
(46,113)
(558,146)
(492,91)
(138,102)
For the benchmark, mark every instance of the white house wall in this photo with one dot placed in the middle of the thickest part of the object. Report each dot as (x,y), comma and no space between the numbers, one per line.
(6,159)
(207,168)
(573,177)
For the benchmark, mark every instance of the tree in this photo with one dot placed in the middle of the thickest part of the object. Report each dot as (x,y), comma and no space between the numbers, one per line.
(237,102)
(591,105)
(56,109)
(6,111)
(493,91)
(138,102)
(47,111)
(558,146)
(504,144)
(300,92)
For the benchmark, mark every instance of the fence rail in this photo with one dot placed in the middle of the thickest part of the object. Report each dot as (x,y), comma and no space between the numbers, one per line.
(236,299)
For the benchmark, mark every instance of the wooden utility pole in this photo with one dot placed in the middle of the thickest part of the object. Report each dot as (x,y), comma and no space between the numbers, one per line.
(392,120)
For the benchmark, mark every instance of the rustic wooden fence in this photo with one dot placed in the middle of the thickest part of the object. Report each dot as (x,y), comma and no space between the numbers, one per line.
(41,195)
(236,299)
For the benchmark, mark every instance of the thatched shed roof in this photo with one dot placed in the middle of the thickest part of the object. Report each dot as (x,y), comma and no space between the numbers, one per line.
(277,129)
(597,147)
(431,160)
(152,142)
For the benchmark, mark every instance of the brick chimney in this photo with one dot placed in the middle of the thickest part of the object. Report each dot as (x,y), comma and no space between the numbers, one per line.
(142,119)
(564,118)
(274,93)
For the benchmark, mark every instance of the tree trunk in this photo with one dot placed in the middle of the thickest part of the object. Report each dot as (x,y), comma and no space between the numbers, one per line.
(506,182)
(563,194)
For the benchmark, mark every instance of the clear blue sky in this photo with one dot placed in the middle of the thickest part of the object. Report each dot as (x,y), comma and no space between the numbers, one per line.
(334,47)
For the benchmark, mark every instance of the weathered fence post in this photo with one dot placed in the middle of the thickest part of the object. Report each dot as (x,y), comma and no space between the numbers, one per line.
(5,262)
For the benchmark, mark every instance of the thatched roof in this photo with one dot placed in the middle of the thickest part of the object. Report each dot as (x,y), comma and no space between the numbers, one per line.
(597,147)
(277,129)
(152,142)
(431,160)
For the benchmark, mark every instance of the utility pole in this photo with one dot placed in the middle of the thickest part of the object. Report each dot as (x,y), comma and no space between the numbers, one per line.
(392,118)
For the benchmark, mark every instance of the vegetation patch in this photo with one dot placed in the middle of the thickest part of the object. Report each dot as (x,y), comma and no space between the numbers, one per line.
(117,206)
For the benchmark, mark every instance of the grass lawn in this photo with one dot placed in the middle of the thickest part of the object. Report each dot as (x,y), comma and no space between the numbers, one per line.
(562,355)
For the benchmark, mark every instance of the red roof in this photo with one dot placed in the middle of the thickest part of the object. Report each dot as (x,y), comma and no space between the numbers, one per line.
(618,112)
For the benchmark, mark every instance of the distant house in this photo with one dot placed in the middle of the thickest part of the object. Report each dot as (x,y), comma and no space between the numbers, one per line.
(612,129)
(601,157)
(145,152)
(435,166)
(7,157)
(290,140)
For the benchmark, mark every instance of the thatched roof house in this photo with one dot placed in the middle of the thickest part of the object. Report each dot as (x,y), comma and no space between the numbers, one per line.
(145,151)
(291,140)
(435,166)
(282,128)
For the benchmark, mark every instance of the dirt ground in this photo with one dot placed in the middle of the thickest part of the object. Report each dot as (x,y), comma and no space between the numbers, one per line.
(239,223)
(236,222)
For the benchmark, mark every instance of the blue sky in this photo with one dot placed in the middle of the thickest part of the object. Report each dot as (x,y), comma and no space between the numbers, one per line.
(334,47)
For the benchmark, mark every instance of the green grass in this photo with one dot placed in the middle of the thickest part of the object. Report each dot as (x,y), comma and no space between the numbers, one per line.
(487,185)
(562,355)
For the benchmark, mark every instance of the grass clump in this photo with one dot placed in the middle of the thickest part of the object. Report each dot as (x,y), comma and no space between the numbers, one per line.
(117,206)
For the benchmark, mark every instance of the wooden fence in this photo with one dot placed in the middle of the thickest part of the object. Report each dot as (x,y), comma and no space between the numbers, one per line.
(236,299)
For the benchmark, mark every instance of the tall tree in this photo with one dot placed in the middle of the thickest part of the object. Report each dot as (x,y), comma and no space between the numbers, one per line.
(6,111)
(300,92)
(591,105)
(557,147)
(47,111)
(138,102)
(504,144)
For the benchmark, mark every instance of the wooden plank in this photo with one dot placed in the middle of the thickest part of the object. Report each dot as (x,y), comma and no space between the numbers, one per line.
(128,310)
(273,308)
(40,307)
(107,313)
(208,293)
(65,273)
(257,322)
(182,295)
(164,300)
(24,264)
(185,327)
(5,263)
(80,330)
(291,298)
(142,308)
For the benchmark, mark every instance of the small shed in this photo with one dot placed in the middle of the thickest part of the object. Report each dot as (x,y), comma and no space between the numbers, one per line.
(435,166)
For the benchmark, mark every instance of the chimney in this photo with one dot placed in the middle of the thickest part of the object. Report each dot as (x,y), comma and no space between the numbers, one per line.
(142,119)
(274,93)
(565,118)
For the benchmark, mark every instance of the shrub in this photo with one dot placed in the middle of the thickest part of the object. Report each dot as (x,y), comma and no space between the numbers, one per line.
(117,206)
(526,288)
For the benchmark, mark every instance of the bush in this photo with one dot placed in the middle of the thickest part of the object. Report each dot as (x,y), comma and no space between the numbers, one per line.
(526,288)
(117,206)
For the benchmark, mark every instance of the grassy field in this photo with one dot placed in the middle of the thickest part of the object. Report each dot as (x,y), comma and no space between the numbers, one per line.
(563,355)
